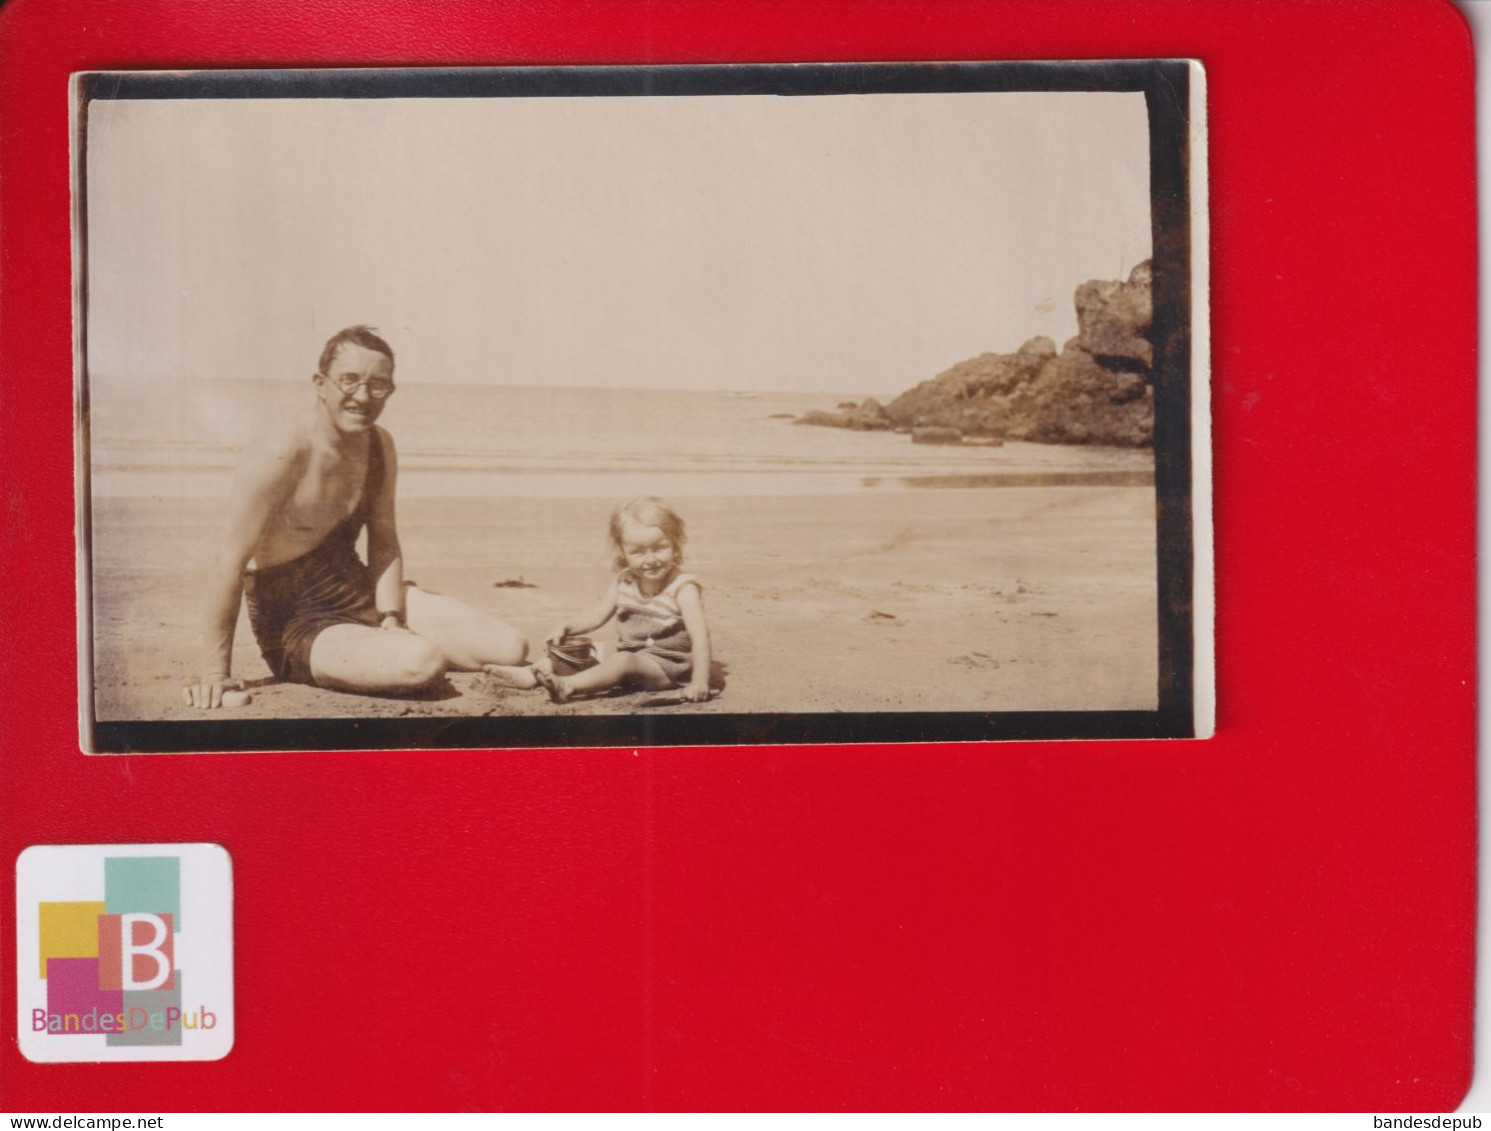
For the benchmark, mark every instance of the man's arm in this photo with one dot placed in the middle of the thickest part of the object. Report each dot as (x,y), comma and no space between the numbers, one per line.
(385,557)
(264,478)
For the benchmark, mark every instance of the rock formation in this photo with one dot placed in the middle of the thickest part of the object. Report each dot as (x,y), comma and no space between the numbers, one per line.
(868,417)
(1097,390)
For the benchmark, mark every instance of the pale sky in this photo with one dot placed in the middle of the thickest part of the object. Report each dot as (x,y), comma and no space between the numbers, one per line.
(859,243)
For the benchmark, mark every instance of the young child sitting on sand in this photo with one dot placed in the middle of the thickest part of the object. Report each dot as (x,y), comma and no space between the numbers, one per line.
(663,640)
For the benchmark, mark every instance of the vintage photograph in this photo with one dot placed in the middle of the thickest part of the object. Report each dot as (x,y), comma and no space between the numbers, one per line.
(606,406)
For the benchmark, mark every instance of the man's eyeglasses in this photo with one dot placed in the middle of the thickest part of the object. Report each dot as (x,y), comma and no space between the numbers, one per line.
(377,387)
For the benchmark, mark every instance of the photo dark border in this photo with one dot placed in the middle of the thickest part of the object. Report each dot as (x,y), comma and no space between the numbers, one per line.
(1165,85)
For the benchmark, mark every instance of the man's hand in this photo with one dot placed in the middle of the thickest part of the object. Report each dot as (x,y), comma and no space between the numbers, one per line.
(208,695)
(697,691)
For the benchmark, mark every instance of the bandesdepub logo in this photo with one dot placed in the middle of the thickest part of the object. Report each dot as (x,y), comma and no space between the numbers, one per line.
(124,952)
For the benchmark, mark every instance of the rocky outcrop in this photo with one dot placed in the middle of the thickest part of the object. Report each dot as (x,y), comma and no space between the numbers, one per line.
(975,396)
(1077,399)
(1113,319)
(1096,390)
(868,417)
(824,419)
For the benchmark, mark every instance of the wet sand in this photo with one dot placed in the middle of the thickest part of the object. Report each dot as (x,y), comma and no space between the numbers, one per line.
(1012,598)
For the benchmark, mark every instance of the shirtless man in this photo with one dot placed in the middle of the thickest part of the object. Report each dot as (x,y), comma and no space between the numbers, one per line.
(321,616)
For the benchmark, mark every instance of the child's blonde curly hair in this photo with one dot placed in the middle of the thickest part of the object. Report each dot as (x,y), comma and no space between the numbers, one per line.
(646,512)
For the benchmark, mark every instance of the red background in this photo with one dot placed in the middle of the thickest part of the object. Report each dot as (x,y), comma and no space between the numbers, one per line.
(1278,918)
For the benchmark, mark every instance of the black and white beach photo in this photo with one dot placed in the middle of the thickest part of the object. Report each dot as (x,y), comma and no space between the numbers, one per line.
(911,358)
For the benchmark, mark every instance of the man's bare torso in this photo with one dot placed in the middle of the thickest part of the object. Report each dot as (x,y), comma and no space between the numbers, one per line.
(323,485)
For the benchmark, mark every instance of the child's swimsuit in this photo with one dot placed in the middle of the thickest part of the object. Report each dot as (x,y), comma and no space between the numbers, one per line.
(654,625)
(289,604)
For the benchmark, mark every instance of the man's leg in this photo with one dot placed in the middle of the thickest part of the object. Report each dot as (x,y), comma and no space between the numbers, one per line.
(468,637)
(373,661)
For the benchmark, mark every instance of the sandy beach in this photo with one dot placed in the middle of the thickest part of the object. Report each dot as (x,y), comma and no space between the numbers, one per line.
(923,599)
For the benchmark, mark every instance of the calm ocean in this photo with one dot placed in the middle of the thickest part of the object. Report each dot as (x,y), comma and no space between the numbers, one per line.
(182,438)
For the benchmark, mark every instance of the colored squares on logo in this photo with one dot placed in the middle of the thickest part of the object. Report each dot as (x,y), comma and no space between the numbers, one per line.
(143,883)
(152,1017)
(75,1004)
(68,930)
(136,952)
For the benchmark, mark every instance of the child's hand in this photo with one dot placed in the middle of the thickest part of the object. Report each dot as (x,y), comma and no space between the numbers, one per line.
(697,690)
(558,635)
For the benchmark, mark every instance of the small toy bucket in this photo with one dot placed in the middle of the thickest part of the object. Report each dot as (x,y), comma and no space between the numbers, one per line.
(573,654)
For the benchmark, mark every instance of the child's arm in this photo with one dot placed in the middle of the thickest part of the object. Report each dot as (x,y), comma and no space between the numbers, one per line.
(691,605)
(588,621)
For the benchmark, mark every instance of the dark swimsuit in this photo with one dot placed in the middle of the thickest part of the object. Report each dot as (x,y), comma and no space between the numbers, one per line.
(289,604)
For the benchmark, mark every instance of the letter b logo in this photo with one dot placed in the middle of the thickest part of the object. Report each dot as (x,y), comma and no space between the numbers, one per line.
(136,951)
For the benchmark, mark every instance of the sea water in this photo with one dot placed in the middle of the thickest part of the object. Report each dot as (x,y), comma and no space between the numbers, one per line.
(182,438)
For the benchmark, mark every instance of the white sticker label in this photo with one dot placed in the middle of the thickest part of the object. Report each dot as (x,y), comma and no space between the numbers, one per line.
(124,952)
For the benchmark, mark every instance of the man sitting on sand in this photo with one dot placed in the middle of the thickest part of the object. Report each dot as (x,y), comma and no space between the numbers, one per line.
(321,616)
